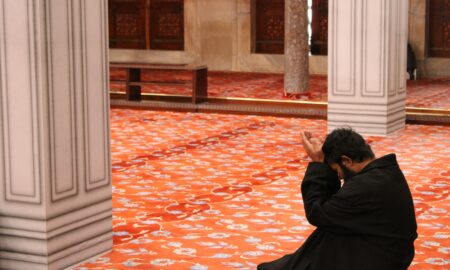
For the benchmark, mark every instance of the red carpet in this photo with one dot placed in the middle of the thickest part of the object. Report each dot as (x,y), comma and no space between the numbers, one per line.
(208,191)
(428,93)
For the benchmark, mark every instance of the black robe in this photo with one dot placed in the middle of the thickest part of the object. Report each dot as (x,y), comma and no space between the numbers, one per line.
(367,224)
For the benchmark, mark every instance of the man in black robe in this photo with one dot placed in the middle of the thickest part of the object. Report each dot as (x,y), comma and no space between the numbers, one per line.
(367,224)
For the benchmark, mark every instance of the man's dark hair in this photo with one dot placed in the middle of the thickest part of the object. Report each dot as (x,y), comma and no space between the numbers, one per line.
(346,142)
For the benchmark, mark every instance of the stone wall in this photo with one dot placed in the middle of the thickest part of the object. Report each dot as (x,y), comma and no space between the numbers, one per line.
(218,34)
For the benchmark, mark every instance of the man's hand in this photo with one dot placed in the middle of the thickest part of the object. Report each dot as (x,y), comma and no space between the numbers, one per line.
(312,146)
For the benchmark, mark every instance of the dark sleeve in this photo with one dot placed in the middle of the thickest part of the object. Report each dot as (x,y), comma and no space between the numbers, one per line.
(326,204)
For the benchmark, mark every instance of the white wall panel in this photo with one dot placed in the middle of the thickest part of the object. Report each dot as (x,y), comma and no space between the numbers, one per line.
(373,37)
(343,26)
(96,88)
(402,53)
(61,83)
(18,103)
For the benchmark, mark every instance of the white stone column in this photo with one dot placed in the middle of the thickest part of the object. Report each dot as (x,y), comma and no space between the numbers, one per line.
(55,190)
(296,48)
(367,42)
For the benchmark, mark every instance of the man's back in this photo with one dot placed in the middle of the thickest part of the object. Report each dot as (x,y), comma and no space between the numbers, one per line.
(369,223)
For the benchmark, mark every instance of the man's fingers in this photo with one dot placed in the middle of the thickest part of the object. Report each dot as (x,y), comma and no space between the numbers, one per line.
(306,143)
(307,134)
(312,146)
(305,137)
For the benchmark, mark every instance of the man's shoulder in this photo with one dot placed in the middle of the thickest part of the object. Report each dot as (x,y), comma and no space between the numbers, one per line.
(366,184)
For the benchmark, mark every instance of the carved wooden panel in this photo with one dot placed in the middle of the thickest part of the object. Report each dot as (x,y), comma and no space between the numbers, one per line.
(319,26)
(166,25)
(269,28)
(439,28)
(127,24)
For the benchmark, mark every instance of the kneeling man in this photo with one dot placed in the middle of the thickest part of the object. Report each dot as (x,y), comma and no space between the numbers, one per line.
(368,223)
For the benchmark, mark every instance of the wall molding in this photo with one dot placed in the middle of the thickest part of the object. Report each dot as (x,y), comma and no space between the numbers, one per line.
(381,90)
(93,182)
(12,163)
(334,7)
(55,219)
(58,173)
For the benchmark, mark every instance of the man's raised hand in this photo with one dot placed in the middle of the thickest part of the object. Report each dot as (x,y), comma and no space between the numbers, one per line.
(312,146)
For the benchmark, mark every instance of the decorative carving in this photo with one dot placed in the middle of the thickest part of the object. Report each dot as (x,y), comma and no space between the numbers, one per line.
(167,24)
(269,34)
(439,28)
(127,24)
(274,28)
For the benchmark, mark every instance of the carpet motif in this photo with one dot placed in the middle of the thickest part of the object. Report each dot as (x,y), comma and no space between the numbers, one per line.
(211,191)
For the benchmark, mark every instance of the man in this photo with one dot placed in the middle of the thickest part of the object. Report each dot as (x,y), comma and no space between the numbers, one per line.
(367,224)
(411,63)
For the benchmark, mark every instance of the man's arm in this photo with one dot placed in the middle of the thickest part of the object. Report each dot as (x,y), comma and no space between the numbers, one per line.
(341,210)
(319,185)
(326,204)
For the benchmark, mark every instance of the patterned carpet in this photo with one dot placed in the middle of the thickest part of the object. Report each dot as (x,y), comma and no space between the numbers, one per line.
(428,93)
(213,191)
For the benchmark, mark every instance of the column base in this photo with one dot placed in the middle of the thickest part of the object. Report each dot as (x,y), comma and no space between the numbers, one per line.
(57,243)
(373,119)
(369,129)
(60,260)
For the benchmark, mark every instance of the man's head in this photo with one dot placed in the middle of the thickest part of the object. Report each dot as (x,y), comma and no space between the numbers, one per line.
(346,152)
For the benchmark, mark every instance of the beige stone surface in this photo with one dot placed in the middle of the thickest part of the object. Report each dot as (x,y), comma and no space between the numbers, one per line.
(416,29)
(218,22)
(434,67)
(218,33)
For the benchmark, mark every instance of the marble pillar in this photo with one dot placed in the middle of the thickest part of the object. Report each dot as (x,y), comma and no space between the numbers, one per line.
(55,190)
(296,48)
(367,42)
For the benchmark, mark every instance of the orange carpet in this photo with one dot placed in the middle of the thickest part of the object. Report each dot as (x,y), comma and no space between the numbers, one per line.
(213,191)
(428,93)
